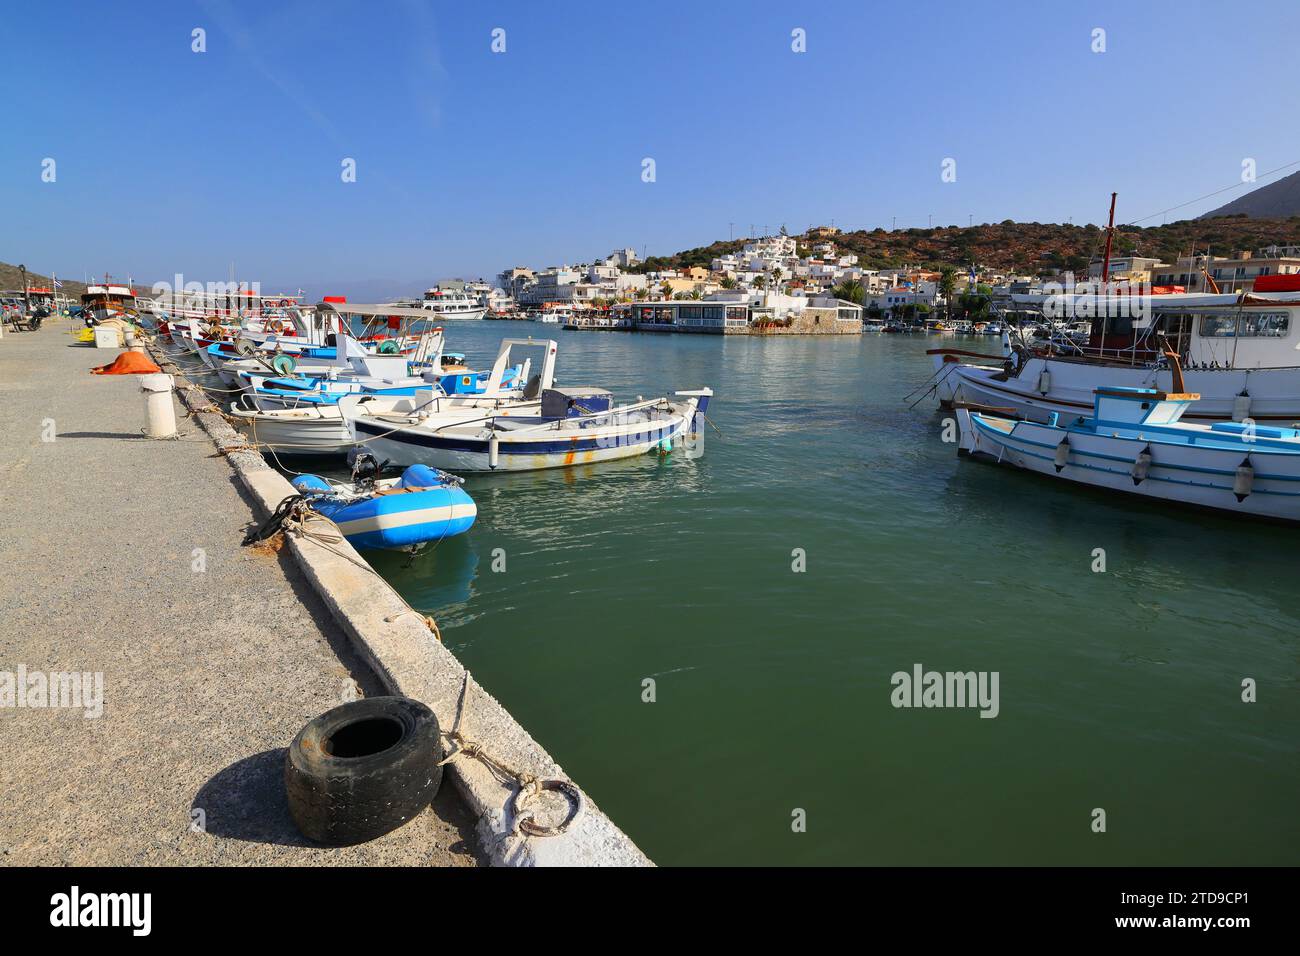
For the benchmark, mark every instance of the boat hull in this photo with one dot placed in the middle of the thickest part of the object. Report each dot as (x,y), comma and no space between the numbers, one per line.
(300,431)
(1271,395)
(461,450)
(1181,474)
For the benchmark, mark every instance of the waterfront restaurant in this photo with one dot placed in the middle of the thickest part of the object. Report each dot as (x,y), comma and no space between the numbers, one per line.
(718,318)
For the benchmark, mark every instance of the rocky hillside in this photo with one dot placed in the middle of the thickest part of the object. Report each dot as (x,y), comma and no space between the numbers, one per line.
(11,278)
(1273,201)
(1028,247)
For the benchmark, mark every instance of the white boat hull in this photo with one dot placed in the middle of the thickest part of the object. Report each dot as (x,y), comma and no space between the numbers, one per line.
(305,431)
(461,449)
(1273,393)
(1191,475)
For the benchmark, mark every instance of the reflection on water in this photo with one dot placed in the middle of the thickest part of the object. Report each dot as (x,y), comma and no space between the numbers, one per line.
(1119,689)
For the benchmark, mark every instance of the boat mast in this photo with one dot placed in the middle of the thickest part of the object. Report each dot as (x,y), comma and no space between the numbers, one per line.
(1105,274)
(1110,234)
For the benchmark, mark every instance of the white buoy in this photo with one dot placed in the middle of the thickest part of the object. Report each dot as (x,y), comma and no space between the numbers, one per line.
(1142,465)
(1006,345)
(1044,381)
(494,451)
(1244,481)
(1062,453)
(1241,406)
(160,414)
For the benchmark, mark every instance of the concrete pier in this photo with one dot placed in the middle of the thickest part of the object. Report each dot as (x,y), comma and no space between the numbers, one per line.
(124,560)
(121,556)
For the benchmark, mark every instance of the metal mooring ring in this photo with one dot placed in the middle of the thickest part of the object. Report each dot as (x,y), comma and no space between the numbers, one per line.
(525,823)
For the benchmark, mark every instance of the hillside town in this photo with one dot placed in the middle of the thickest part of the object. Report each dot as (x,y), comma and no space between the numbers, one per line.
(781,281)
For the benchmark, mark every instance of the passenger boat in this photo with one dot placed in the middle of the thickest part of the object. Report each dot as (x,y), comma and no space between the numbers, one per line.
(572,426)
(1135,442)
(1240,353)
(108,301)
(424,506)
(453,304)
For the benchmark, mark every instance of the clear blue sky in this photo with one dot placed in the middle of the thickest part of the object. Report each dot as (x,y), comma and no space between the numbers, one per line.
(470,161)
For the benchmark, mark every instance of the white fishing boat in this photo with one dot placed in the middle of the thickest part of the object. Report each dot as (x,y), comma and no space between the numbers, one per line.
(559,426)
(1135,442)
(1240,353)
(307,425)
(573,426)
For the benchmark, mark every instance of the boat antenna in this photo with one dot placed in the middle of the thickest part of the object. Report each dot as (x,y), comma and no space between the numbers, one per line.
(1175,366)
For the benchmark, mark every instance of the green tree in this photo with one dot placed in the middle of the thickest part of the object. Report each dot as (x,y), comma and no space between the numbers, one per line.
(850,290)
(947,285)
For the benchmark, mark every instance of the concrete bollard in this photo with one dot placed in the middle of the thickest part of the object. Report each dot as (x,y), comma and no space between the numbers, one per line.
(160,414)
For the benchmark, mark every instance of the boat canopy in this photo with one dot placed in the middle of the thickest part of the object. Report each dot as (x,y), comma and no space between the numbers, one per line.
(377,310)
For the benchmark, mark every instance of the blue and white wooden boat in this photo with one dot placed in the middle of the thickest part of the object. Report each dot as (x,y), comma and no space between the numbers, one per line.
(1133,442)
(572,426)
(423,506)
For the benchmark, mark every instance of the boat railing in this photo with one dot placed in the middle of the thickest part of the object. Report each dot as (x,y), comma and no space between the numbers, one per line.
(593,416)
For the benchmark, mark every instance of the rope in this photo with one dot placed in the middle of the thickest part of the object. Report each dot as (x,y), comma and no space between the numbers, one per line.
(528,787)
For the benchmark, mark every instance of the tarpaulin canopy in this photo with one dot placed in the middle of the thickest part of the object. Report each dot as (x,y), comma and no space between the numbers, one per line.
(128,363)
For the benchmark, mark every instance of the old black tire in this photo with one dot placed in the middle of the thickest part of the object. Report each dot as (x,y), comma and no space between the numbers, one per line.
(363,769)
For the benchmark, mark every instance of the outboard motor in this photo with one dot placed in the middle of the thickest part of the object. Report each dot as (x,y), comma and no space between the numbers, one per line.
(365,467)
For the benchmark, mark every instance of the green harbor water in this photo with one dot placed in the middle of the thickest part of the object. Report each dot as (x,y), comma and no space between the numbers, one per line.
(1119,690)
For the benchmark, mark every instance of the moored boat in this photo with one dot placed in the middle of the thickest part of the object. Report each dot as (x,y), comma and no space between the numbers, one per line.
(421,507)
(1238,352)
(1134,442)
(572,426)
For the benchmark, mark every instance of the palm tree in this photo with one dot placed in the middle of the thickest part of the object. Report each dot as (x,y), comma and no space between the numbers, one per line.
(947,285)
(727,282)
(850,290)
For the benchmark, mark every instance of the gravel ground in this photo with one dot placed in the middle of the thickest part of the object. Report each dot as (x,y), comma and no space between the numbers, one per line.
(207,674)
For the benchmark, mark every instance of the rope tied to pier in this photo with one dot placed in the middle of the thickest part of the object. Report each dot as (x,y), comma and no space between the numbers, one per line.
(527,787)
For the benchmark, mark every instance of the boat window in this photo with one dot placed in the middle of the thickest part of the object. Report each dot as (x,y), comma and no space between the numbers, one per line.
(1252,324)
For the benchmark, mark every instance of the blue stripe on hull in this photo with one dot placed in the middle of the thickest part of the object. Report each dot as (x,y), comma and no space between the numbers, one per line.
(475,446)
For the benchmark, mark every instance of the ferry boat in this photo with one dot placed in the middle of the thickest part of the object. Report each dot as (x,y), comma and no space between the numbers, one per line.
(453,304)
(1239,352)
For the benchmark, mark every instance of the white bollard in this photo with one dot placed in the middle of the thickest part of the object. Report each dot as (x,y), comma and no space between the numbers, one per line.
(160,414)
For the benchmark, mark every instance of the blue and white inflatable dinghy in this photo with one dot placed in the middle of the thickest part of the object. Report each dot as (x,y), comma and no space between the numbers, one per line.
(423,506)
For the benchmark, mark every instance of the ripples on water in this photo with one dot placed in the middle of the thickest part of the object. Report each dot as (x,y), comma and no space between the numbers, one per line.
(1119,690)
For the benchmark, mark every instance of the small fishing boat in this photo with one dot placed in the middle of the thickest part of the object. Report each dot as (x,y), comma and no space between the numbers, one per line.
(312,423)
(573,426)
(1134,442)
(421,507)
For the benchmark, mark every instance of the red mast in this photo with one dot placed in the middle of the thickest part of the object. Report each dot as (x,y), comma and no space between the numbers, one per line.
(1110,234)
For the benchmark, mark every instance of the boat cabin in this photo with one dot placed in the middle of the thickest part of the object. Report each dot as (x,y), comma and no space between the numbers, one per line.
(1116,405)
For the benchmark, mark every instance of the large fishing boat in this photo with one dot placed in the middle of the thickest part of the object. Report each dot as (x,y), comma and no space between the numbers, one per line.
(1241,354)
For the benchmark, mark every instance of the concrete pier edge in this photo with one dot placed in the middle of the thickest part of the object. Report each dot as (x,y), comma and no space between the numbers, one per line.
(408,660)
